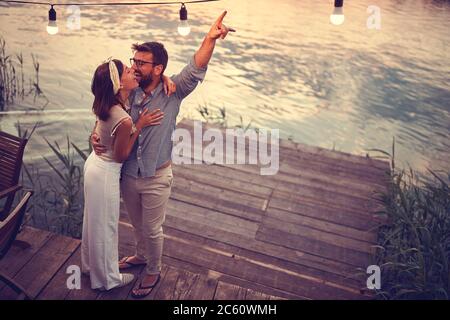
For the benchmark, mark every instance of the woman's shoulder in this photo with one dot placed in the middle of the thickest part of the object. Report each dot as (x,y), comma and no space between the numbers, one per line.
(118,111)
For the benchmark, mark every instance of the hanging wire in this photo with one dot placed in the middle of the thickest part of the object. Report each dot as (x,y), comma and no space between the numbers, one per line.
(106,3)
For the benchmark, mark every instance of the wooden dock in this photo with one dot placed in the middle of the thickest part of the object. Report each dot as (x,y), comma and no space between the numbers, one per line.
(230,233)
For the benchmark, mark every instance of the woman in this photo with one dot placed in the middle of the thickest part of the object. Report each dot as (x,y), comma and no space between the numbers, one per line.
(111,85)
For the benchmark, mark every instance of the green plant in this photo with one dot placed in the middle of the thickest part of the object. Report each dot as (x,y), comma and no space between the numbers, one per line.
(219,116)
(58,198)
(209,115)
(413,248)
(12,84)
(67,189)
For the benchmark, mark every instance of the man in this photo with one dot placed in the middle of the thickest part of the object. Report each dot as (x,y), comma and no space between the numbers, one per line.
(147,174)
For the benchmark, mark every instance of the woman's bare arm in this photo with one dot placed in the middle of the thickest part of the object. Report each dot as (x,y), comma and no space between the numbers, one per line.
(124,141)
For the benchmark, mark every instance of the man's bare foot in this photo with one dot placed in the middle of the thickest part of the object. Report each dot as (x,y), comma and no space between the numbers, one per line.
(148,282)
(129,262)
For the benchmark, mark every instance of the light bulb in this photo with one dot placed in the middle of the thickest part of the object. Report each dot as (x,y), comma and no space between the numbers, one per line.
(337,17)
(183,27)
(52,27)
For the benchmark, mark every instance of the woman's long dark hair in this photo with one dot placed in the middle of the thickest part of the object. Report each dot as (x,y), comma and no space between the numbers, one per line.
(103,91)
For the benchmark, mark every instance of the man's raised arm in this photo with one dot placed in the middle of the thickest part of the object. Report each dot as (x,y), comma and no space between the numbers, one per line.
(195,71)
(218,30)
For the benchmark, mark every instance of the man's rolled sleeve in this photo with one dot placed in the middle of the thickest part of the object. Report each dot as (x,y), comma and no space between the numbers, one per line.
(188,79)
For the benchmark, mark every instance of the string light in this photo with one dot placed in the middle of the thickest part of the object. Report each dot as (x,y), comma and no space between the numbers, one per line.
(183,27)
(52,27)
(337,17)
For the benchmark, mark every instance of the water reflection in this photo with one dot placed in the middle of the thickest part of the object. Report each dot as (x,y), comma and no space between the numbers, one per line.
(286,67)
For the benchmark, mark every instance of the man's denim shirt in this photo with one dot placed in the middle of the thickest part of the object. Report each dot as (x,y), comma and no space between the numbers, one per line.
(154,145)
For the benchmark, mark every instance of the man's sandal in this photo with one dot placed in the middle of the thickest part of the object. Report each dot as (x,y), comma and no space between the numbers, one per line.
(129,264)
(147,288)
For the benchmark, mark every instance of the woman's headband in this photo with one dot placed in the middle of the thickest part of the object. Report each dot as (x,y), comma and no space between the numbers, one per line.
(114,75)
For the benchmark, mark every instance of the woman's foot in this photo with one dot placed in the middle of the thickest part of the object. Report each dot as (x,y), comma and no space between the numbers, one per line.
(130,262)
(146,285)
(127,278)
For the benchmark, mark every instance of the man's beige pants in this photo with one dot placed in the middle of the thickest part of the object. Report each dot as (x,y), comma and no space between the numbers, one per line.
(146,200)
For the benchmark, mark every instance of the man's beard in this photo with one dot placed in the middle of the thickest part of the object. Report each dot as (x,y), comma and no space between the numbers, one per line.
(145,81)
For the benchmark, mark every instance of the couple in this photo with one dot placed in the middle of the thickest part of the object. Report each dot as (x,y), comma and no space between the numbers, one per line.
(132,155)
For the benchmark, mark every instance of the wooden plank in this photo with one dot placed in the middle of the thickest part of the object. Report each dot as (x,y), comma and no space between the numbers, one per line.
(335,155)
(319,194)
(368,213)
(270,262)
(222,262)
(184,285)
(333,228)
(313,246)
(57,289)
(221,193)
(332,200)
(317,235)
(20,253)
(30,241)
(287,254)
(167,288)
(293,173)
(255,295)
(222,177)
(360,170)
(45,263)
(203,288)
(86,293)
(226,291)
(284,258)
(320,190)
(214,276)
(264,182)
(318,163)
(221,200)
(342,216)
(293,148)
(215,260)
(348,280)
(212,218)
(302,148)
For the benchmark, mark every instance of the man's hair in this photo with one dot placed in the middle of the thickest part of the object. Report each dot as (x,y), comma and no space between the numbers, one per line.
(158,51)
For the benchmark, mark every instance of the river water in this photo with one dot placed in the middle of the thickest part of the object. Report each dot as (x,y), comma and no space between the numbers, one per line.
(346,87)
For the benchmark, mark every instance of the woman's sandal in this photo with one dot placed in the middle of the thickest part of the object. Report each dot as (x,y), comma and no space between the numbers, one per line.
(129,264)
(148,288)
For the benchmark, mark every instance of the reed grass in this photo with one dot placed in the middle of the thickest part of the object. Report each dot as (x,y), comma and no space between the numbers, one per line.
(57,204)
(12,79)
(413,249)
(220,117)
